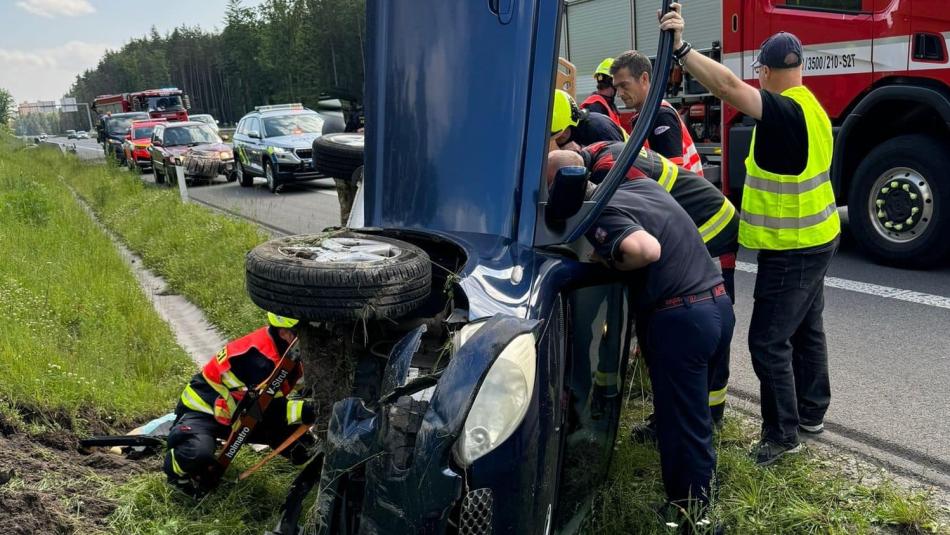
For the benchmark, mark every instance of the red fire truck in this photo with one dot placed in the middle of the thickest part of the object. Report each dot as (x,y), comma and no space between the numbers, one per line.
(881,70)
(169,103)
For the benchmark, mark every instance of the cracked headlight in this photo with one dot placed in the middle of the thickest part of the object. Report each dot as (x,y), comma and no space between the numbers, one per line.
(501,402)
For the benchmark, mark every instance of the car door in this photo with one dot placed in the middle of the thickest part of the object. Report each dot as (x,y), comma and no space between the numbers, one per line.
(156,150)
(255,146)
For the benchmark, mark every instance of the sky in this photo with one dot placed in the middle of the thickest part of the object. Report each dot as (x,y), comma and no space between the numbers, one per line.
(44,44)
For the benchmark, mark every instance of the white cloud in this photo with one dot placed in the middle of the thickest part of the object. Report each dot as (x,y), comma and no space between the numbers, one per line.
(46,73)
(57,8)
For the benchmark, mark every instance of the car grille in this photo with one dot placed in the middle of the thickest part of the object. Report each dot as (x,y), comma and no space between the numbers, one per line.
(476,514)
(304,153)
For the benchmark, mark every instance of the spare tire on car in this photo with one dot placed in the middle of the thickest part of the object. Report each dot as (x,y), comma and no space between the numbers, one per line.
(338,155)
(338,276)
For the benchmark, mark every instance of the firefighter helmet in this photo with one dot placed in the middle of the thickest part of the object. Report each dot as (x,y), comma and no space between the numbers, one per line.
(565,113)
(603,70)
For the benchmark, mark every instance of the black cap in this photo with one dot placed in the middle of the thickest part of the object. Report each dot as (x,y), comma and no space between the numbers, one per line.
(781,51)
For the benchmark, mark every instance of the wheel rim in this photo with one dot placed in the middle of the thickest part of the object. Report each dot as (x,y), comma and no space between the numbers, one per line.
(900,205)
(350,140)
(269,175)
(342,250)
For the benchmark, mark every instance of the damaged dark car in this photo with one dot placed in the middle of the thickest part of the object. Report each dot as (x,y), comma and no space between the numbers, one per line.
(466,352)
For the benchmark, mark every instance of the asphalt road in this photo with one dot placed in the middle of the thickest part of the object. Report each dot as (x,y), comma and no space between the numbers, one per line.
(888,336)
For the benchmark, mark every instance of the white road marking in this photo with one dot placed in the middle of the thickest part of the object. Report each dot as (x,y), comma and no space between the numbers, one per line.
(871,289)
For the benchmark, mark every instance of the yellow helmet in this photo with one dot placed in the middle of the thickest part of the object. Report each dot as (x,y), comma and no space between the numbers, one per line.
(604,68)
(280,321)
(565,113)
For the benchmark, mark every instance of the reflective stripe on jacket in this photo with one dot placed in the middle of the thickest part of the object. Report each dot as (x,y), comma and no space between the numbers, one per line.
(786,212)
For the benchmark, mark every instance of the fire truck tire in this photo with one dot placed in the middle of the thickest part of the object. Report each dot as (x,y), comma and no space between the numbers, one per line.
(899,203)
(338,155)
(284,276)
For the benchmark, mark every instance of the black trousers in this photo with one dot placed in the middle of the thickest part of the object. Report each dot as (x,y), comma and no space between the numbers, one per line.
(787,340)
(681,345)
(192,441)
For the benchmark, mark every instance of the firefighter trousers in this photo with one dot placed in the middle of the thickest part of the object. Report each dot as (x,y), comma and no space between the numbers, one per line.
(681,345)
(193,440)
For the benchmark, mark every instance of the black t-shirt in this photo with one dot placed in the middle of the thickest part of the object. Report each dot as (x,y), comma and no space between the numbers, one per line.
(781,137)
(684,267)
(595,127)
(666,136)
(699,197)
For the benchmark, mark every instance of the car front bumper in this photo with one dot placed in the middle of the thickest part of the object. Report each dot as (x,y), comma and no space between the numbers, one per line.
(207,167)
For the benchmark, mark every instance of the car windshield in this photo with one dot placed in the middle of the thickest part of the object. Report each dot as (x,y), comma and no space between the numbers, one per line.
(288,125)
(120,125)
(143,132)
(165,103)
(190,135)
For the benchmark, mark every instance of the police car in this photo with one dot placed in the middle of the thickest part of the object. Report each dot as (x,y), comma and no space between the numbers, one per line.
(275,142)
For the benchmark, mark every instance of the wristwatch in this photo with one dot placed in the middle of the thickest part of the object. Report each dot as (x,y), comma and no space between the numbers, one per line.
(680,53)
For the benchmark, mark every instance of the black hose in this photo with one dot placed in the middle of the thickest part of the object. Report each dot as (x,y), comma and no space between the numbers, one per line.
(651,106)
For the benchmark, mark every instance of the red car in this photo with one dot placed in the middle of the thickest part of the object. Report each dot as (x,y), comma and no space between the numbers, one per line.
(137,142)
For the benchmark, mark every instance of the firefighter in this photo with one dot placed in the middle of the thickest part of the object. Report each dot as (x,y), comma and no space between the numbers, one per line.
(570,124)
(669,135)
(204,411)
(713,216)
(789,216)
(602,100)
(685,317)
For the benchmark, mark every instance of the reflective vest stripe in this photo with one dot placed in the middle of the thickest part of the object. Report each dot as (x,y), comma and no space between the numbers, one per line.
(231,381)
(786,188)
(294,411)
(668,175)
(719,221)
(787,212)
(193,401)
(717,397)
(796,223)
(605,379)
(175,467)
(690,160)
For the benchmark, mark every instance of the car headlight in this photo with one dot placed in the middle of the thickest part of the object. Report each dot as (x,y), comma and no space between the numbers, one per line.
(225,155)
(177,160)
(280,150)
(501,402)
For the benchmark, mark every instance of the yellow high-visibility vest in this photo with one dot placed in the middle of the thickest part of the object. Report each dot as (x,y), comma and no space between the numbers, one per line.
(784,212)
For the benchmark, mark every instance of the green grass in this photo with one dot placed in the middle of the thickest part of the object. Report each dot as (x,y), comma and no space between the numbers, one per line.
(79,340)
(806,493)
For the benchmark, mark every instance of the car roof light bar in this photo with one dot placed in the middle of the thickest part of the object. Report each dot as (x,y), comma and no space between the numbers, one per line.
(272,107)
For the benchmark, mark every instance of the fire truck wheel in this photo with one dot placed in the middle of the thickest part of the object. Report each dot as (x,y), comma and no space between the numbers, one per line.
(338,276)
(899,204)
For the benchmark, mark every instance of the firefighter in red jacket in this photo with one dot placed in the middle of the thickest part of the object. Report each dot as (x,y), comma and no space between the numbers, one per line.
(207,403)
(602,100)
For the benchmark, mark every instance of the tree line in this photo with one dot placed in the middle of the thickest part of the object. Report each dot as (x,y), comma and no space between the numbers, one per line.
(281,51)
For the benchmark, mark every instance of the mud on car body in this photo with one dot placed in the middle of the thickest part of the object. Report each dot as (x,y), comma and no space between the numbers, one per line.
(466,353)
(192,145)
(275,142)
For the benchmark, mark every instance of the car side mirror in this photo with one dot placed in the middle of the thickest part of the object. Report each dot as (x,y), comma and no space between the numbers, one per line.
(254,134)
(566,194)
(225,137)
(157,142)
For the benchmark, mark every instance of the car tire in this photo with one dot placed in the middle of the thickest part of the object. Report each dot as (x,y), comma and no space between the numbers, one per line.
(272,183)
(338,155)
(159,177)
(283,280)
(879,211)
(243,178)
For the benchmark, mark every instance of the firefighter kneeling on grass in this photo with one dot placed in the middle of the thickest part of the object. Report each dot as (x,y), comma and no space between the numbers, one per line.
(204,412)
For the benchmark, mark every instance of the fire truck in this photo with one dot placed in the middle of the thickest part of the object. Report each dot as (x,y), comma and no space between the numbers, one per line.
(881,70)
(169,103)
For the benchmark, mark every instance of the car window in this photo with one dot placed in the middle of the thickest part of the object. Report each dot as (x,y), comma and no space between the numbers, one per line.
(143,132)
(254,125)
(834,5)
(157,133)
(293,124)
(190,135)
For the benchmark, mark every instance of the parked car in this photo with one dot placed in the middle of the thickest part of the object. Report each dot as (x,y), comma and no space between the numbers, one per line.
(206,119)
(496,407)
(71,134)
(276,142)
(82,134)
(112,130)
(136,144)
(192,145)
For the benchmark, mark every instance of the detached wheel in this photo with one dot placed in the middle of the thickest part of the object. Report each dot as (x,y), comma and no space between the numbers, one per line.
(899,205)
(338,155)
(339,276)
(244,179)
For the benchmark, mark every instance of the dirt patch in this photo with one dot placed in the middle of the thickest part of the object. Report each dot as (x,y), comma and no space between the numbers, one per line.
(56,489)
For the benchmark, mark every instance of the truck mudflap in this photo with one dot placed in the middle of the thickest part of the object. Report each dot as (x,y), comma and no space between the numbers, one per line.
(366,487)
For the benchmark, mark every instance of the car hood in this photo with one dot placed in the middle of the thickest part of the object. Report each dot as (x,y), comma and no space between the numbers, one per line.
(142,141)
(456,139)
(199,150)
(297,141)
